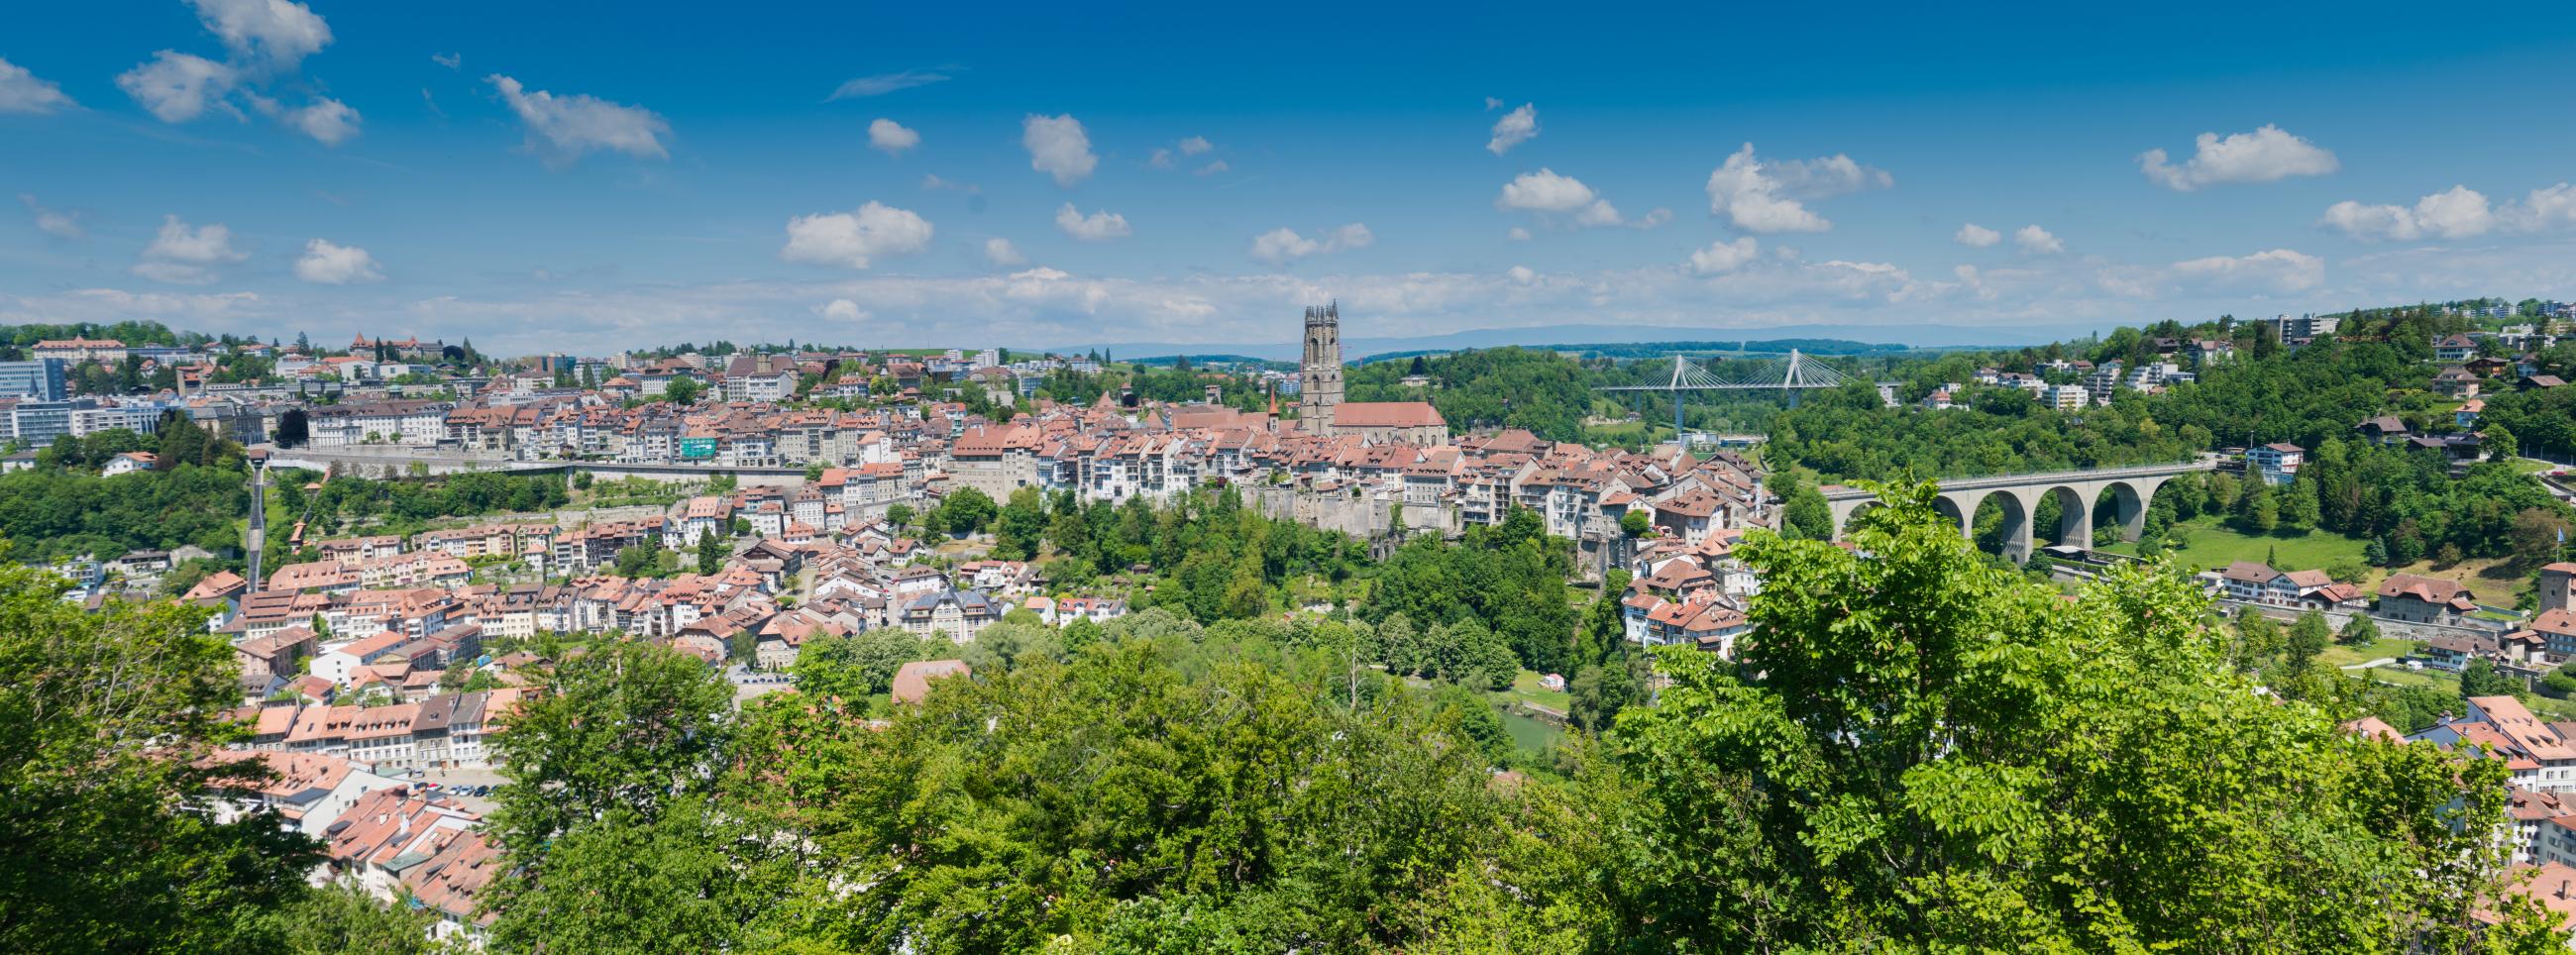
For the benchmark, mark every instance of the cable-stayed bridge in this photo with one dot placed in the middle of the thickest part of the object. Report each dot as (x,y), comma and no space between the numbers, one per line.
(1788,376)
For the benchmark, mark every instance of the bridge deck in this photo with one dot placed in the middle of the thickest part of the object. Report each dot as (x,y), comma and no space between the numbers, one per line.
(1842,493)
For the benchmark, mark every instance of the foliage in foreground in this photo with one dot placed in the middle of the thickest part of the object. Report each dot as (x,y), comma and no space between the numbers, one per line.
(1919,753)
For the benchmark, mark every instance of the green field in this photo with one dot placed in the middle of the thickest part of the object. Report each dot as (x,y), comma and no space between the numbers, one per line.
(1525,689)
(2384,648)
(2211,545)
(1531,735)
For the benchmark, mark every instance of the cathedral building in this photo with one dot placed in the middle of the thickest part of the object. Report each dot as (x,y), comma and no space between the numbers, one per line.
(1321,410)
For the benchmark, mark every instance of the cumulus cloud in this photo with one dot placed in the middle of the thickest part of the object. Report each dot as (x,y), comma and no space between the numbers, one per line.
(185,256)
(177,87)
(1724,256)
(22,92)
(1517,234)
(56,223)
(883,83)
(1976,236)
(891,136)
(1164,157)
(2455,213)
(1099,226)
(328,120)
(1282,245)
(266,40)
(448,60)
(1213,168)
(932,183)
(328,263)
(1548,193)
(841,310)
(275,32)
(1516,127)
(1059,147)
(1000,251)
(2275,270)
(1759,196)
(2268,154)
(561,128)
(2032,238)
(1826,177)
(855,239)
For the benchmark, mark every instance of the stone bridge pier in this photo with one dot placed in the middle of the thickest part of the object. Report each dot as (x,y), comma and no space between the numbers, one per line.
(2078,495)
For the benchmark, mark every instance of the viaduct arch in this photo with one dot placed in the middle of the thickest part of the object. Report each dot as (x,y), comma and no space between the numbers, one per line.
(2128,489)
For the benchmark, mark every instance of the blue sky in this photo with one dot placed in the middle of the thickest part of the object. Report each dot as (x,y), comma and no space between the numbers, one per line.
(583,176)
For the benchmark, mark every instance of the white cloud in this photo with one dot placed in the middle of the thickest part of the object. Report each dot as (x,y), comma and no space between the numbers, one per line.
(328,120)
(1000,251)
(932,183)
(2265,155)
(1196,145)
(1521,275)
(1281,245)
(1214,168)
(186,256)
(1161,159)
(1767,197)
(1099,226)
(1516,127)
(1492,104)
(2032,238)
(841,310)
(22,92)
(854,240)
(1724,256)
(327,263)
(2276,270)
(2456,213)
(2546,208)
(1976,236)
(1600,212)
(1826,177)
(1058,147)
(278,32)
(1517,234)
(177,87)
(884,83)
(448,60)
(891,136)
(56,223)
(1545,191)
(561,128)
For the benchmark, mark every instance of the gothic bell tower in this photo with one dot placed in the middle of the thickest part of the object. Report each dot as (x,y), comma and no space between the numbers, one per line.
(1319,376)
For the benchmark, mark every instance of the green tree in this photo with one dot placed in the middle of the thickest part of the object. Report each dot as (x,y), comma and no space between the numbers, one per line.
(966,511)
(855,667)
(625,726)
(1807,516)
(711,552)
(681,391)
(1635,522)
(2480,678)
(684,879)
(1922,752)
(900,515)
(107,721)
(2358,631)
(2308,636)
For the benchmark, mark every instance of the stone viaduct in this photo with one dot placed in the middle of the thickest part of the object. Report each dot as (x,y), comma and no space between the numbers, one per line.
(2077,493)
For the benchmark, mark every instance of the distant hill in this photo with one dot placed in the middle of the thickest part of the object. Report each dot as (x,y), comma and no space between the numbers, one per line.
(1593,337)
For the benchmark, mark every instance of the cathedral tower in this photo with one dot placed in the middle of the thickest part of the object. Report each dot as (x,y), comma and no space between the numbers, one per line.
(1319,377)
